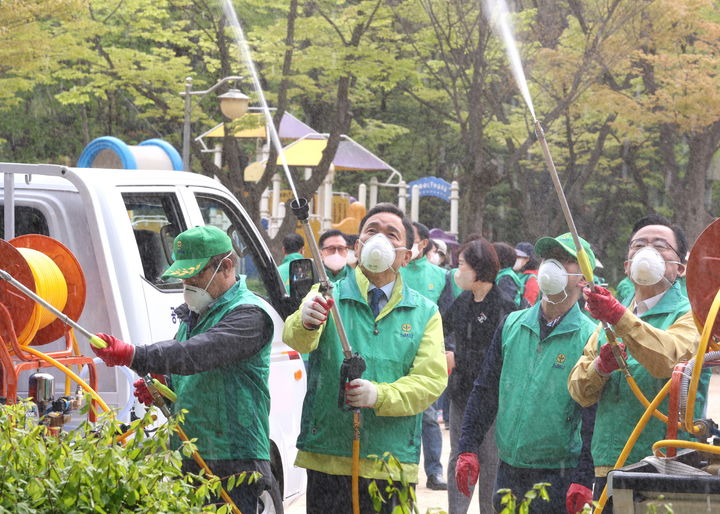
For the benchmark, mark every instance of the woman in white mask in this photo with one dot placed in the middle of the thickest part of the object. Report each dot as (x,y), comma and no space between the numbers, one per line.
(469,325)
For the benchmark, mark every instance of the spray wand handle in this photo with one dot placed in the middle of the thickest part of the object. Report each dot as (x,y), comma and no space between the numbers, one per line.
(300,208)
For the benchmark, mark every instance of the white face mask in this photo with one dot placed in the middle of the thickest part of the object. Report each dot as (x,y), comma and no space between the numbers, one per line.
(434,259)
(351,258)
(464,279)
(553,279)
(335,262)
(378,253)
(647,267)
(197,298)
(414,252)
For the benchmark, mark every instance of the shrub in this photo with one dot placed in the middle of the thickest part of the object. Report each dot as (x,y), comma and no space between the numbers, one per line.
(86,470)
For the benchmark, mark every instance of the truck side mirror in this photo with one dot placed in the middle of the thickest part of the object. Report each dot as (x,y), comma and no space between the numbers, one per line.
(302,278)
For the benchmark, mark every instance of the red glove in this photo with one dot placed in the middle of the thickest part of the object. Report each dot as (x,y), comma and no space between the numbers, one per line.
(576,498)
(141,391)
(606,362)
(603,306)
(467,471)
(116,353)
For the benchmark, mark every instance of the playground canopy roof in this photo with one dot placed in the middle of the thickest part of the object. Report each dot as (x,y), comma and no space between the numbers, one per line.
(350,155)
(307,152)
(290,128)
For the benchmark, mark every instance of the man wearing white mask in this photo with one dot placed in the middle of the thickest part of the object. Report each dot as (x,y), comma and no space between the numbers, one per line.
(334,251)
(219,356)
(541,433)
(399,334)
(656,329)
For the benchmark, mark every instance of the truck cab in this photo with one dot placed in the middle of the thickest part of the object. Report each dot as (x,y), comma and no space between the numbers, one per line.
(120,225)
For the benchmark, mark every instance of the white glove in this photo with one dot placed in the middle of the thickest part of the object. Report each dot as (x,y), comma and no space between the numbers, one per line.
(361,393)
(315,310)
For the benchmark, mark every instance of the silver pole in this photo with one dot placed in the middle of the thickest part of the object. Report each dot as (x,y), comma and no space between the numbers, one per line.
(186,125)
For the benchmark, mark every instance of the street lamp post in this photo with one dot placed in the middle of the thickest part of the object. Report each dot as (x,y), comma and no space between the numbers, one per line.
(233,104)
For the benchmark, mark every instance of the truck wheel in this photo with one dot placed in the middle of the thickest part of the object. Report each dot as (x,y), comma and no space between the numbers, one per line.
(270,501)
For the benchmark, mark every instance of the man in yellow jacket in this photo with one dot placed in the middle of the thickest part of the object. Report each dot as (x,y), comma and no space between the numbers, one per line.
(399,334)
(656,328)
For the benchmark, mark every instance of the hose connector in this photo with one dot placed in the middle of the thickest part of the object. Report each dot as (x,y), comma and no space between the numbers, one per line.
(300,208)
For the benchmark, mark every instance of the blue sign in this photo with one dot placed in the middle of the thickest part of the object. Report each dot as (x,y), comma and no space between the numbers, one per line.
(432,186)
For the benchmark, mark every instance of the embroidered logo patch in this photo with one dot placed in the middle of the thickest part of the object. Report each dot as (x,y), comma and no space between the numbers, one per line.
(560,361)
(406,330)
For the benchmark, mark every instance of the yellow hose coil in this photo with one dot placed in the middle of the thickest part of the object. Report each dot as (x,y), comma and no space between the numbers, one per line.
(50,285)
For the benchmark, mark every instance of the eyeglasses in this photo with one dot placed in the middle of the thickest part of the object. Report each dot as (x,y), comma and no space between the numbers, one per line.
(329,250)
(659,244)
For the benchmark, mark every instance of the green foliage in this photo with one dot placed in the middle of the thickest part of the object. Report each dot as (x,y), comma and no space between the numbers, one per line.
(509,501)
(85,470)
(397,488)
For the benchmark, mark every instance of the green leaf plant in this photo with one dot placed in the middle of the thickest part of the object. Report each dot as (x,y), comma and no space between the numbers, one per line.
(87,470)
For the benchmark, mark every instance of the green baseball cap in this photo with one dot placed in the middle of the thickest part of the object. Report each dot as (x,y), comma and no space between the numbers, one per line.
(566,243)
(193,249)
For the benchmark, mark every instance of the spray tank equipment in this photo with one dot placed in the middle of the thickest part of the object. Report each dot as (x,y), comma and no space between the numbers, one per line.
(42,294)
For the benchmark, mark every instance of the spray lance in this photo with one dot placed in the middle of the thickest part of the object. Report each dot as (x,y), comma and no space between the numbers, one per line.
(498,15)
(581,254)
(353,363)
(94,340)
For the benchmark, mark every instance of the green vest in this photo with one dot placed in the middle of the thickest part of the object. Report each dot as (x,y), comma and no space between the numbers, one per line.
(340,274)
(425,278)
(625,290)
(389,345)
(538,423)
(520,285)
(456,289)
(618,409)
(228,407)
(284,268)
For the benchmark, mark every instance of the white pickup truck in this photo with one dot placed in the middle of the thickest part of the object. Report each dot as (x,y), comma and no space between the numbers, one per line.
(120,225)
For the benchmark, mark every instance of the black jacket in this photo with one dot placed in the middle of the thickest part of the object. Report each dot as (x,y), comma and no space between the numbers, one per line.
(469,327)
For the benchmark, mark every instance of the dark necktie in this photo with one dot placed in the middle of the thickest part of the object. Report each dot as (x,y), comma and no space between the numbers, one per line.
(374,296)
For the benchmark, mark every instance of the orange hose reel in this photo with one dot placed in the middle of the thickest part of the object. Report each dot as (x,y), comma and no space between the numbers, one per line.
(21,257)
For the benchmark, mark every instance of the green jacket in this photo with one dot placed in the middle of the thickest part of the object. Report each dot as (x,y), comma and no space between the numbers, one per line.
(618,409)
(425,278)
(404,351)
(538,423)
(344,272)
(519,284)
(228,407)
(284,268)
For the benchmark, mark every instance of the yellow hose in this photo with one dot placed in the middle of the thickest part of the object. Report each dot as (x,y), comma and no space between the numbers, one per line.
(676,443)
(72,375)
(697,368)
(634,437)
(356,462)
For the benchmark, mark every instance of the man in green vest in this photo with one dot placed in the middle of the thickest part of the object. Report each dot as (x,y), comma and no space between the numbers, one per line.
(656,328)
(293,245)
(399,334)
(541,433)
(334,253)
(218,362)
(429,280)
